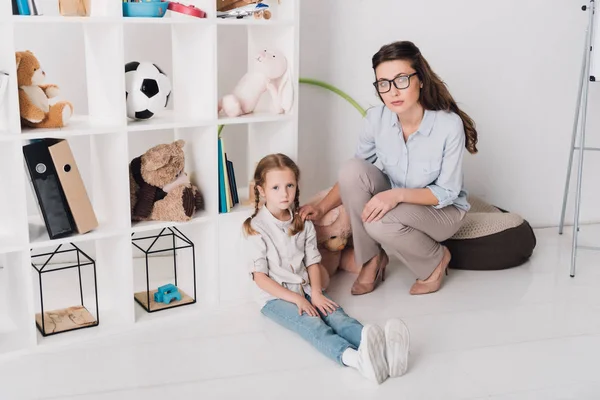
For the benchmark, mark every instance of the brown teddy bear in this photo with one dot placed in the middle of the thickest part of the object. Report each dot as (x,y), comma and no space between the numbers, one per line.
(334,238)
(35,108)
(160,190)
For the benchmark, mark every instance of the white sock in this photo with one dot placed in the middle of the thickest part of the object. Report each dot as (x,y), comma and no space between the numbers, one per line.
(350,358)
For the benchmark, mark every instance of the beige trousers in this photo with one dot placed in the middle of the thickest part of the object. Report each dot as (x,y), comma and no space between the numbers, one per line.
(412,232)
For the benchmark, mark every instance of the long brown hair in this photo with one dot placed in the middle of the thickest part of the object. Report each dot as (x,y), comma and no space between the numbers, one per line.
(269,163)
(434,94)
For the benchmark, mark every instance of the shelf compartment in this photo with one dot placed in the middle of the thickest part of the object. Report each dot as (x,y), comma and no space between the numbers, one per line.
(238,57)
(149,44)
(101,161)
(198,152)
(112,257)
(70,76)
(66,316)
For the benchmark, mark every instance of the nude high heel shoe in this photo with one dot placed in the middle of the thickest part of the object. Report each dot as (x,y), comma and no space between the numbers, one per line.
(422,287)
(359,288)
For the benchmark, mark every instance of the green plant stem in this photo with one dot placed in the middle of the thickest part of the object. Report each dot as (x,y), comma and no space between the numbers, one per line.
(335,90)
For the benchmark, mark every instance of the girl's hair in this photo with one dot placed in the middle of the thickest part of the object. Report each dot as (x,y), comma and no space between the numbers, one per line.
(434,94)
(269,163)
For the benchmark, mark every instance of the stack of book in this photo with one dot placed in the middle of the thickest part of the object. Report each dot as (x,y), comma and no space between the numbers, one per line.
(228,194)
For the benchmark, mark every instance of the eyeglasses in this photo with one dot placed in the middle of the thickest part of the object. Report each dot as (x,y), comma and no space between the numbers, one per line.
(400,82)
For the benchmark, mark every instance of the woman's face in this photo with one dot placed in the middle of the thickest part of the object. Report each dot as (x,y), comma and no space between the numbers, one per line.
(398,100)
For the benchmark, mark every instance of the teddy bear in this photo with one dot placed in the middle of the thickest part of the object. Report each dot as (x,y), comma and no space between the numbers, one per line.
(34,105)
(334,238)
(159,188)
(270,72)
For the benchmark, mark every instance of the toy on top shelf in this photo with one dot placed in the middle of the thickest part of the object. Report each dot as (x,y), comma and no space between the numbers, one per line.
(160,189)
(74,8)
(146,8)
(34,105)
(242,8)
(270,72)
(186,9)
(147,89)
(167,293)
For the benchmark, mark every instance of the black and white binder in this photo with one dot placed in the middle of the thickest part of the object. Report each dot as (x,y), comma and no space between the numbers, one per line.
(46,185)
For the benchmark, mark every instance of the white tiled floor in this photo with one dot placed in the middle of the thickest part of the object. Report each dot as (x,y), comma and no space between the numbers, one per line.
(527,333)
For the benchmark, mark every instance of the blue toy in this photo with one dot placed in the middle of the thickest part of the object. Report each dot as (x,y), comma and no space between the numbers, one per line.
(167,293)
(148,9)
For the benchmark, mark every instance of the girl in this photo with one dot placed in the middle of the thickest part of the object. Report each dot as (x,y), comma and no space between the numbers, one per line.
(284,263)
(415,199)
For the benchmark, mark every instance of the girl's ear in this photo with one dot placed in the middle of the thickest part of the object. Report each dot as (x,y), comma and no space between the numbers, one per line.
(261,191)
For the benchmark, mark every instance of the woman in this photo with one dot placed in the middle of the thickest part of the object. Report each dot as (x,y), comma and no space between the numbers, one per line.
(416,198)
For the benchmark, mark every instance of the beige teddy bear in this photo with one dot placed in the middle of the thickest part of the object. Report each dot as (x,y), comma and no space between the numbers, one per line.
(334,238)
(160,190)
(34,105)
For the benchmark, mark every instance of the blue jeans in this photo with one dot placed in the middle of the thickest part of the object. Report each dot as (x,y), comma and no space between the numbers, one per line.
(331,334)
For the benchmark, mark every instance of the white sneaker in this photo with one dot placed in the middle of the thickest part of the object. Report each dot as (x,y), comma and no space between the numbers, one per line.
(371,354)
(397,343)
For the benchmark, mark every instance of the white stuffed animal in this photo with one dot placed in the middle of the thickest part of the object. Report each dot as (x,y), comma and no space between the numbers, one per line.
(269,72)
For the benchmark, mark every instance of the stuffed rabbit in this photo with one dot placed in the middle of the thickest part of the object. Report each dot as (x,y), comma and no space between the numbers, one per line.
(270,72)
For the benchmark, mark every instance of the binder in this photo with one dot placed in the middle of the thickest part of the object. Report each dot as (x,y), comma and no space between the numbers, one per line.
(73,187)
(46,186)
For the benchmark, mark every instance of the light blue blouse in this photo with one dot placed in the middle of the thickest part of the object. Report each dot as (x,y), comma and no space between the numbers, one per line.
(432,157)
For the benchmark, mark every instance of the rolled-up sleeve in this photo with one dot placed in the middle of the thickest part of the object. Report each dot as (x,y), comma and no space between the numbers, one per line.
(256,253)
(448,185)
(311,252)
(366,140)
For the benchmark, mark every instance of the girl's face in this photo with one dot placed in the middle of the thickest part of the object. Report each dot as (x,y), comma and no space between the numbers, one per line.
(398,100)
(279,189)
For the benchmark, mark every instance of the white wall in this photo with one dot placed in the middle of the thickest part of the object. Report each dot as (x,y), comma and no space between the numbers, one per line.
(512,65)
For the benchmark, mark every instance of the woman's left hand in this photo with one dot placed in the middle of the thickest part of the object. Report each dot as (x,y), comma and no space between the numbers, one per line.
(379,205)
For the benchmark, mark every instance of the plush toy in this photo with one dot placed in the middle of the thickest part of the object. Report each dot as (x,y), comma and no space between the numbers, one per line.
(35,108)
(334,238)
(160,190)
(270,72)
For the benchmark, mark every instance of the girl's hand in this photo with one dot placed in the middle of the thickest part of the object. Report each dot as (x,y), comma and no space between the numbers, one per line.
(310,213)
(323,303)
(305,306)
(379,205)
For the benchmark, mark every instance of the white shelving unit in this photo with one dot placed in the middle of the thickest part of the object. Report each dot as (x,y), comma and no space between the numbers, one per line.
(85,56)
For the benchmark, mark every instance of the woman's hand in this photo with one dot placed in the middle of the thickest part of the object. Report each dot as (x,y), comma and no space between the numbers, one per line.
(323,303)
(305,306)
(379,205)
(311,213)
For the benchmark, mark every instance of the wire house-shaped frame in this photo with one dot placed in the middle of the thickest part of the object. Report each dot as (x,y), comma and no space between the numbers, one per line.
(161,298)
(70,318)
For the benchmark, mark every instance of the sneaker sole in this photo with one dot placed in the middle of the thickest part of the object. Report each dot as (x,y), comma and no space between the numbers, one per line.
(397,341)
(375,368)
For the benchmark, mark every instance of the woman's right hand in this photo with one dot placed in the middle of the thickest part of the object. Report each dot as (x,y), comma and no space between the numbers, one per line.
(311,213)
(305,306)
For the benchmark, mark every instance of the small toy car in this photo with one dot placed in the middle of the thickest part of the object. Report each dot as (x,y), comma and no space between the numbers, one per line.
(167,293)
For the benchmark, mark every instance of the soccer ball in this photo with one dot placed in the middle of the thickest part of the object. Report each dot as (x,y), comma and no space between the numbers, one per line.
(147,89)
